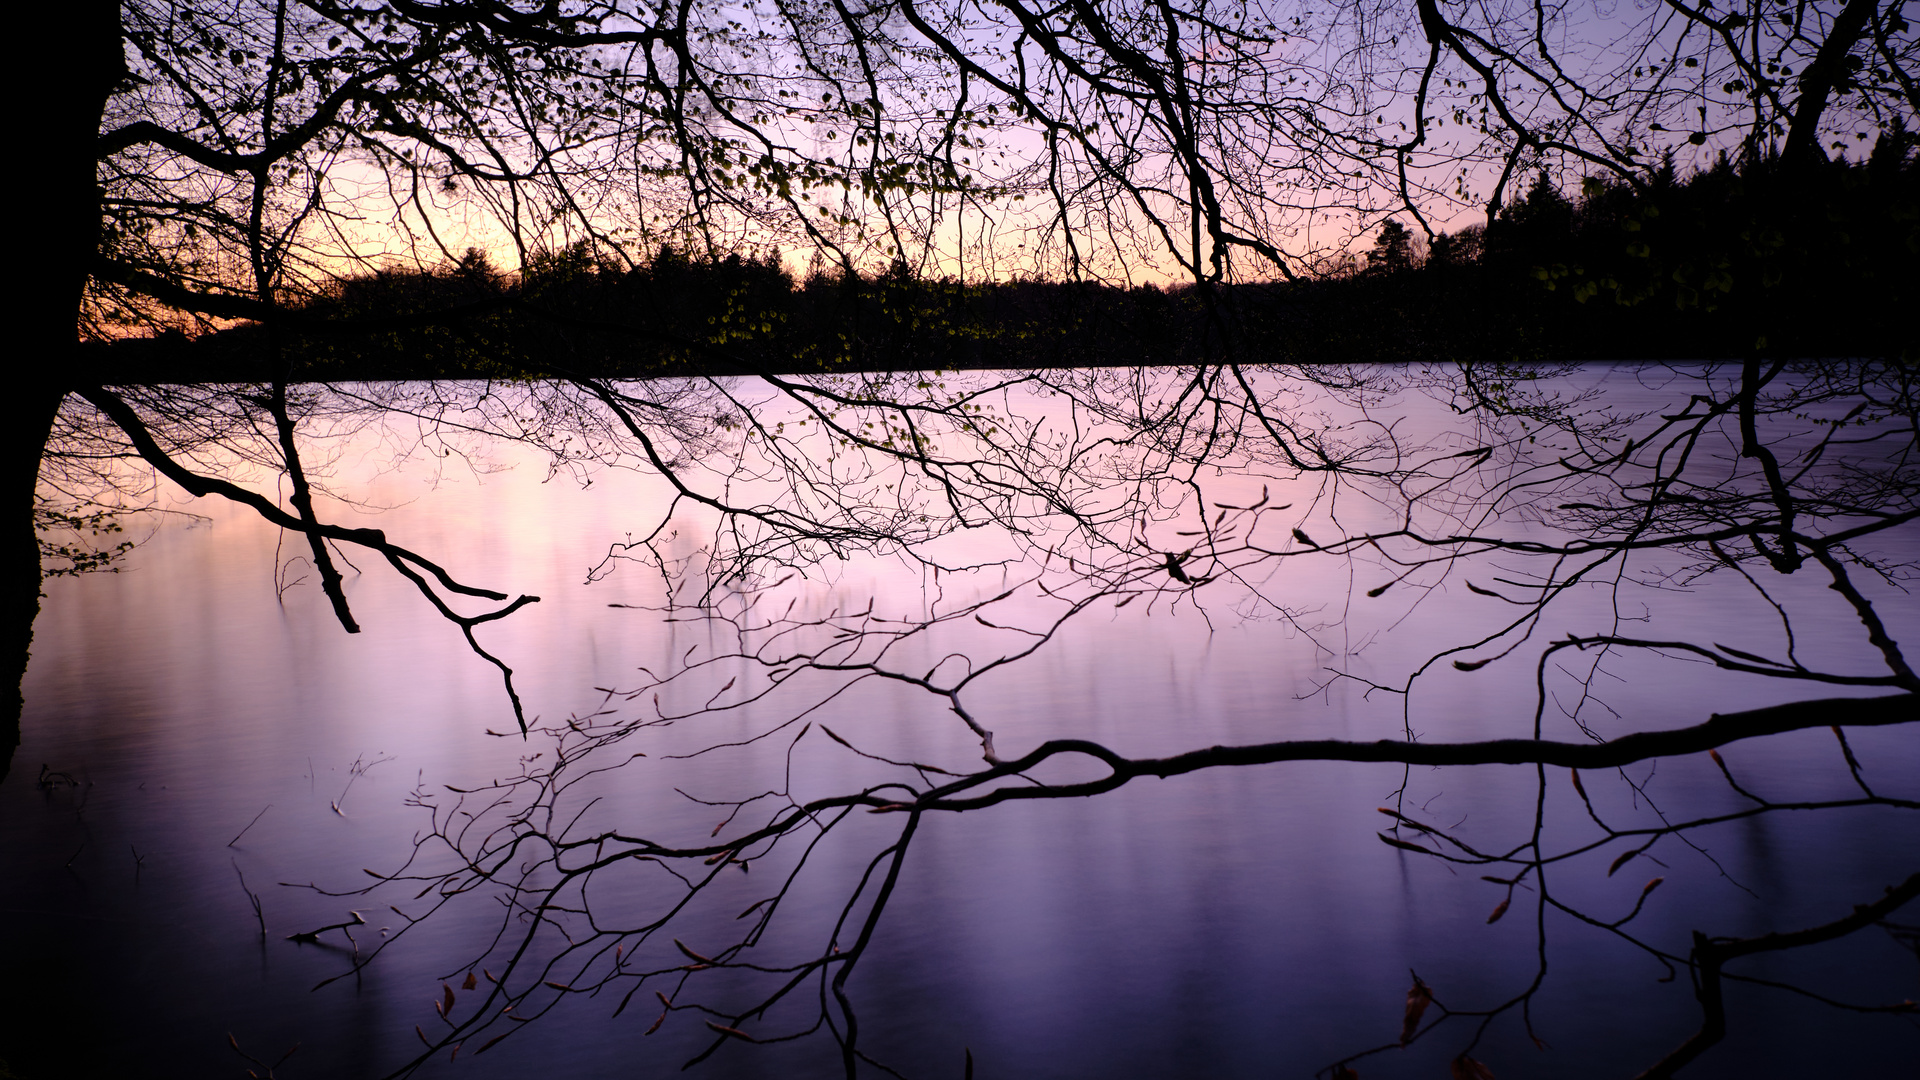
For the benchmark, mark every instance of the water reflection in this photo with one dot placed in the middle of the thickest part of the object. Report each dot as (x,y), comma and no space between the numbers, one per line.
(1229,921)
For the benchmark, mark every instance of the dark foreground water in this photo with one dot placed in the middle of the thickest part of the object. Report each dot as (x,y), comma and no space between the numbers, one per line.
(1232,923)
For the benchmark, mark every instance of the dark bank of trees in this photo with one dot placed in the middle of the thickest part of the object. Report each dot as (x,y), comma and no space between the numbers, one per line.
(1735,259)
(1730,260)
(583,313)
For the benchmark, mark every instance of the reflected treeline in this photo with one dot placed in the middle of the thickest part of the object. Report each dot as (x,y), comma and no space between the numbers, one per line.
(1742,257)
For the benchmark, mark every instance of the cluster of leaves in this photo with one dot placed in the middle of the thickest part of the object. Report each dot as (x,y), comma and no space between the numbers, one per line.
(74,540)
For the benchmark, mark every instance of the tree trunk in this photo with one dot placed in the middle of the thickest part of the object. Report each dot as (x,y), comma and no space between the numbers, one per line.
(1819,80)
(28,417)
(62,219)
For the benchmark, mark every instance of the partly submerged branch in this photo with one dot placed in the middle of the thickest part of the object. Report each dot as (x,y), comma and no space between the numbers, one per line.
(1718,731)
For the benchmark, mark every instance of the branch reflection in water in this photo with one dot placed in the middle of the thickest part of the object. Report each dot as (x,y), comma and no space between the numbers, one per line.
(870,781)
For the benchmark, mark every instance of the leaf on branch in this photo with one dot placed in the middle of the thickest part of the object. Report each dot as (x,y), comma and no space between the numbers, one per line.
(562,987)
(1651,885)
(1380,589)
(470,983)
(1471,587)
(1465,1068)
(691,955)
(446,1001)
(1404,845)
(1625,857)
(1304,538)
(735,1032)
(488,1045)
(1499,910)
(1472,665)
(1577,785)
(1418,998)
(1403,819)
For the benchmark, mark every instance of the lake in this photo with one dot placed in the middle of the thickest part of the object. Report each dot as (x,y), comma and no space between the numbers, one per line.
(199,728)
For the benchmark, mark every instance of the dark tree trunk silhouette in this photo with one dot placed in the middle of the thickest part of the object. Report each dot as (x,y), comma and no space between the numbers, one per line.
(62,219)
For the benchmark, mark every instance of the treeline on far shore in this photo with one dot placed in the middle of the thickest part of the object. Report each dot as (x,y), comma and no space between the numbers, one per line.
(1740,259)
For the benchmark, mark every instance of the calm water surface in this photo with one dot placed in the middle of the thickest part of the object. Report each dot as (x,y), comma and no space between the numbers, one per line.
(1233,923)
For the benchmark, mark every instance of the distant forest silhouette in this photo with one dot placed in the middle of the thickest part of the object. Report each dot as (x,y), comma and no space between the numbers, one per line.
(1741,258)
